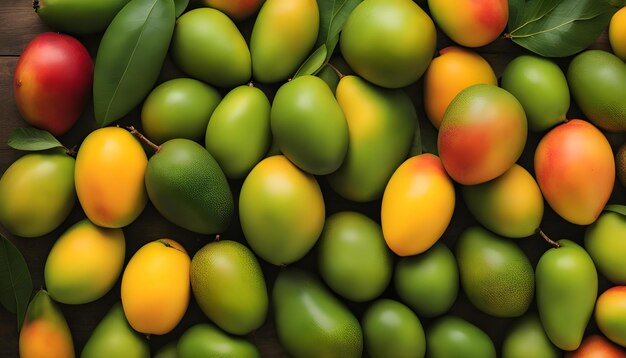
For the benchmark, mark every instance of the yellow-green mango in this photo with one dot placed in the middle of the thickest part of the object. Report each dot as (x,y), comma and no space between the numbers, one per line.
(610,314)
(527,339)
(206,340)
(84,263)
(283,35)
(452,336)
(238,134)
(37,193)
(605,241)
(167,351)
(381,124)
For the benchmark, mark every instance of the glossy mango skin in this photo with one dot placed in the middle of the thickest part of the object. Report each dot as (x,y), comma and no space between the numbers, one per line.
(575,170)
(510,205)
(455,69)
(566,289)
(109,176)
(451,336)
(405,39)
(381,125)
(37,193)
(284,33)
(79,17)
(413,220)
(281,209)
(610,314)
(596,346)
(238,10)
(208,46)
(155,287)
(617,35)
(606,244)
(84,263)
(206,340)
(238,133)
(527,339)
(482,134)
(471,23)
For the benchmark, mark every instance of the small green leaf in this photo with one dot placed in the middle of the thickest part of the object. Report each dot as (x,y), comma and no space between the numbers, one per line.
(32,139)
(620,209)
(180,6)
(417,146)
(314,63)
(16,285)
(428,136)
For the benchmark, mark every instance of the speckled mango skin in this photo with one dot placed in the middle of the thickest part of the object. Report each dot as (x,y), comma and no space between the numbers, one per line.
(610,314)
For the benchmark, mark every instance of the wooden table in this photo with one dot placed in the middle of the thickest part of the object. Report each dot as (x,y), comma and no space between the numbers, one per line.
(19,24)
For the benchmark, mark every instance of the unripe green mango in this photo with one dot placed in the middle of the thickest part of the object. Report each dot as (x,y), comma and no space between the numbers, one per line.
(453,337)
(605,241)
(167,351)
(309,126)
(37,193)
(527,339)
(206,340)
(283,35)
(238,134)
(310,321)
(78,17)
(567,287)
(381,125)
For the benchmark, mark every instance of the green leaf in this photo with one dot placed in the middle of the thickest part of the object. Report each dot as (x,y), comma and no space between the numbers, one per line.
(620,209)
(16,285)
(428,136)
(180,6)
(314,63)
(417,147)
(32,139)
(130,57)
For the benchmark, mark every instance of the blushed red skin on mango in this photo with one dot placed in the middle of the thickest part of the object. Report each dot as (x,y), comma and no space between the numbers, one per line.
(42,339)
(236,9)
(596,346)
(610,314)
(52,82)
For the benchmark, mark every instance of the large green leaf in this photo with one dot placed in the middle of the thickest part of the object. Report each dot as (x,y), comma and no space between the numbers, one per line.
(620,209)
(32,139)
(314,63)
(130,57)
(16,285)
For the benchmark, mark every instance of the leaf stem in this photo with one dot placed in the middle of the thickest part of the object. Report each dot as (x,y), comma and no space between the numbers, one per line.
(547,239)
(339,74)
(132,130)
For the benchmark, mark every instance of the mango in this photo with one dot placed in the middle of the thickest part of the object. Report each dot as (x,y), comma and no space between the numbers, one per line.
(482,134)
(109,176)
(309,125)
(381,126)
(510,205)
(178,108)
(45,332)
(78,17)
(391,329)
(413,220)
(471,23)
(113,337)
(167,351)
(349,239)
(52,82)
(208,46)
(84,263)
(451,336)
(617,33)
(281,210)
(596,346)
(206,340)
(605,241)
(238,133)
(527,339)
(228,284)
(575,170)
(597,80)
(405,39)
(428,282)
(566,288)
(238,10)
(610,314)
(310,321)
(37,193)
(284,33)
(155,287)
(455,69)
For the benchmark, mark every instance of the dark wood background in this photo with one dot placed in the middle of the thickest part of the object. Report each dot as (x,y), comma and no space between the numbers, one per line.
(19,24)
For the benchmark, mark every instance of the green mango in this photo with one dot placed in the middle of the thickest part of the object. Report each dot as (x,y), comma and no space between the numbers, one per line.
(391,329)
(605,241)
(187,186)
(238,134)
(527,339)
(381,126)
(113,337)
(428,282)
(309,126)
(496,275)
(567,288)
(37,193)
(205,340)
(78,17)
(283,35)
(167,351)
(310,321)
(349,239)
(228,284)
(453,337)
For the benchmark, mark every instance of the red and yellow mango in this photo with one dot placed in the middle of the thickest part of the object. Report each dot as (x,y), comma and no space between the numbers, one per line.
(610,314)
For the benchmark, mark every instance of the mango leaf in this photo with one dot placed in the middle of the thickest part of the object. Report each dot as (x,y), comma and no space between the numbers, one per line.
(16,285)
(557,28)
(32,139)
(620,209)
(314,63)
(130,57)
(180,6)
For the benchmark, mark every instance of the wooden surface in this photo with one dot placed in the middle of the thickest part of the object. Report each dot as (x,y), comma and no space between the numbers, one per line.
(19,24)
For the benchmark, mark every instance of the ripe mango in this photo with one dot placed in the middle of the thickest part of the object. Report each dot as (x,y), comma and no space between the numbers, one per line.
(575,171)
(84,263)
(37,193)
(527,339)
(281,209)
(451,336)
(617,33)
(206,340)
(78,17)
(596,346)
(238,10)
(381,126)
(405,39)
(109,176)
(284,33)
(605,241)
(413,220)
(610,314)
(482,134)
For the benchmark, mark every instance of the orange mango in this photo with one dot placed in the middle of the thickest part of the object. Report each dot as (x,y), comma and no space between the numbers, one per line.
(610,314)
(617,33)
(596,346)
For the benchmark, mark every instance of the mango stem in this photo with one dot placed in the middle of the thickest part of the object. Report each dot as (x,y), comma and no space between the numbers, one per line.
(339,74)
(251,84)
(547,239)
(217,238)
(72,152)
(156,148)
